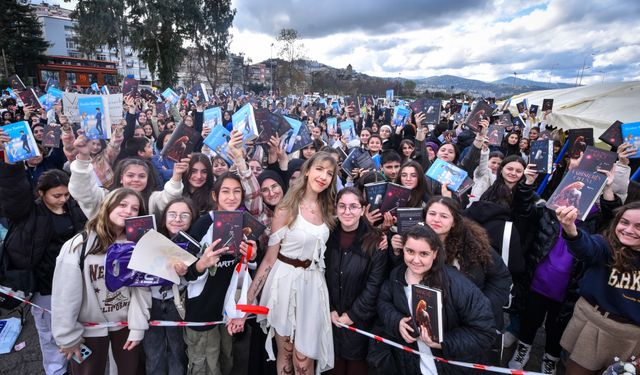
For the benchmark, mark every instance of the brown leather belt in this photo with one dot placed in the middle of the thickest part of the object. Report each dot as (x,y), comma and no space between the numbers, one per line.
(295,262)
(608,315)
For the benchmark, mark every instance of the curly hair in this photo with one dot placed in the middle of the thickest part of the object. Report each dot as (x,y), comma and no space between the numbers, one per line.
(623,256)
(467,241)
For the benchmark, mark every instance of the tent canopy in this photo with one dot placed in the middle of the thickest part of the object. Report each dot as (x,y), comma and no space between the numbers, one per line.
(595,106)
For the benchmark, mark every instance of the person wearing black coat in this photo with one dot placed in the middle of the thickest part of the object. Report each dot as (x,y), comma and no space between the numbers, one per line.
(355,270)
(468,323)
(37,230)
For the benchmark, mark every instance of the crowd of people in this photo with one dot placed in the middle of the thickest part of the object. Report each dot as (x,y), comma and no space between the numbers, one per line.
(505,264)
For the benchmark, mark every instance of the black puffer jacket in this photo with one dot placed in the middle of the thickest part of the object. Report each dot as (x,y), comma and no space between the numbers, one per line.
(31,241)
(544,224)
(467,325)
(353,280)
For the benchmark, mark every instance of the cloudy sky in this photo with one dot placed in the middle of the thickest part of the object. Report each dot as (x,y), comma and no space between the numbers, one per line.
(487,40)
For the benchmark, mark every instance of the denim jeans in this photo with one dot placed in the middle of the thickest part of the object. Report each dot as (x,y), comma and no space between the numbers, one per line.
(53,362)
(164,346)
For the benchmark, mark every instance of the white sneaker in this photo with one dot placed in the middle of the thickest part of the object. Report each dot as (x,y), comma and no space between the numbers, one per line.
(508,339)
(549,363)
(520,356)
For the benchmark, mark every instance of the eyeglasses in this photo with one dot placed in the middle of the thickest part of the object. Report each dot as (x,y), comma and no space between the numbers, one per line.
(273,189)
(351,208)
(183,216)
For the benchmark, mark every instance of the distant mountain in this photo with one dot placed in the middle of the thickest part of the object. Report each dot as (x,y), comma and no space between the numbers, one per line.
(527,83)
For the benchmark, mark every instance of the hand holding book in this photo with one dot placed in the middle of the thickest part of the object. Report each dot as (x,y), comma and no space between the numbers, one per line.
(567,217)
(625,151)
(530,174)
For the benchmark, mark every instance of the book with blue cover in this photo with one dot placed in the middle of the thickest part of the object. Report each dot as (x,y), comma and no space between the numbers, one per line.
(389,96)
(289,139)
(95,88)
(170,95)
(212,117)
(541,155)
(198,94)
(105,90)
(348,130)
(22,145)
(303,138)
(631,134)
(218,140)
(93,119)
(332,125)
(400,116)
(375,194)
(446,173)
(245,122)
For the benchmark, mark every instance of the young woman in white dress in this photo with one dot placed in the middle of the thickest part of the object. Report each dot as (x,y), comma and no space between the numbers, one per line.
(291,276)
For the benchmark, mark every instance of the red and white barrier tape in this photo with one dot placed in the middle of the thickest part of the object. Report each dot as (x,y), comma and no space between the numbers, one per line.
(476,366)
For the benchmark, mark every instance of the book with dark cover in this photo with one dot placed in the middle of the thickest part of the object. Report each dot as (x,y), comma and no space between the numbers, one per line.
(547,105)
(350,161)
(130,87)
(613,135)
(482,111)
(579,189)
(595,158)
(375,192)
(348,130)
(29,98)
(518,122)
(52,135)
(579,139)
(505,120)
(495,133)
(533,111)
(289,138)
(182,142)
(426,309)
(364,160)
(160,108)
(217,141)
(193,246)
(522,107)
(227,225)
(408,218)
(303,138)
(149,96)
(631,135)
(22,145)
(396,196)
(245,122)
(541,155)
(269,124)
(341,155)
(466,184)
(252,228)
(198,93)
(446,173)
(136,227)
(16,83)
(352,102)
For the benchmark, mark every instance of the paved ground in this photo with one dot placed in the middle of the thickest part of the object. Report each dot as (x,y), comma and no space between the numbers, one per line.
(28,360)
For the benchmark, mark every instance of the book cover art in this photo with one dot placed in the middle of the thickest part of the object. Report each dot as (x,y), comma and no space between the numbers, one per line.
(466,184)
(518,122)
(227,225)
(192,246)
(136,227)
(269,124)
(401,116)
(427,307)
(579,139)
(613,135)
(303,138)
(130,87)
(631,135)
(245,122)
(595,158)
(463,108)
(16,83)
(170,95)
(446,173)
(252,228)
(29,98)
(332,125)
(482,111)
(93,119)
(579,189)
(341,155)
(289,139)
(348,130)
(182,143)
(353,103)
(375,192)
(52,136)
(148,95)
(547,105)
(161,108)
(364,160)
(505,105)
(212,117)
(408,218)
(396,196)
(505,120)
(541,154)
(389,96)
(430,108)
(533,111)
(495,134)
(217,141)
(350,161)
(336,107)
(105,90)
(22,145)
(522,107)
(198,93)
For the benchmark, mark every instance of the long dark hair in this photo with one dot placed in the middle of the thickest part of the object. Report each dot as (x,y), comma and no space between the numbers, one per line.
(435,276)
(467,241)
(201,196)
(122,166)
(623,256)
(417,193)
(499,192)
(218,185)
(52,179)
(372,235)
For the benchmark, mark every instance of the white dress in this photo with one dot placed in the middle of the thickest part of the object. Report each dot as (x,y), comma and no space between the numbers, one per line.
(297,298)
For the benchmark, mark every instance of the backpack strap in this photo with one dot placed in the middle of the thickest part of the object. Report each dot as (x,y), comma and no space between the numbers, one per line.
(506,241)
(83,253)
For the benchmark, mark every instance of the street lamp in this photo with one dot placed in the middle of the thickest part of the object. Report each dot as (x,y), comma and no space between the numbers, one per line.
(603,74)
(271,61)
(582,74)
(551,73)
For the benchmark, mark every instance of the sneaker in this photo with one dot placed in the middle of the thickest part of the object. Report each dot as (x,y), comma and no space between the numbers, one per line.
(520,356)
(549,364)
(508,339)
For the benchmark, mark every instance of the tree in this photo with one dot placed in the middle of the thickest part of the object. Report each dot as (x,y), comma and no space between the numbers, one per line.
(209,30)
(21,39)
(290,50)
(409,87)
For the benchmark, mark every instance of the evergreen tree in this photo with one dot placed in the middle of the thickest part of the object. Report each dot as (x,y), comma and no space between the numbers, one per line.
(21,39)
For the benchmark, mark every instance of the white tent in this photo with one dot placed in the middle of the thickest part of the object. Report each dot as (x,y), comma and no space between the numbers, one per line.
(597,106)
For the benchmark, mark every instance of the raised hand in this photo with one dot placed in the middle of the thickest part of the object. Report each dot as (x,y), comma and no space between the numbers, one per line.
(567,217)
